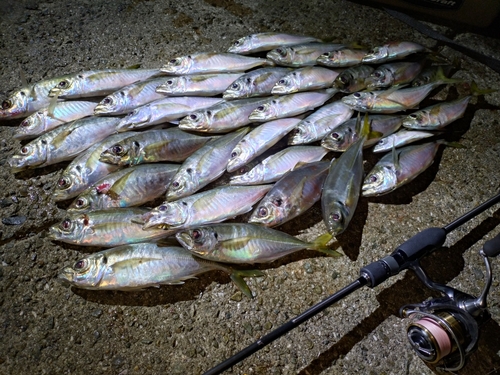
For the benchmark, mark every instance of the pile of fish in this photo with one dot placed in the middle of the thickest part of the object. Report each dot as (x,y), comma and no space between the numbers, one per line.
(220,135)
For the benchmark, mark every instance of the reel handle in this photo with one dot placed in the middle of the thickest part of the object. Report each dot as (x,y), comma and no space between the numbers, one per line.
(491,248)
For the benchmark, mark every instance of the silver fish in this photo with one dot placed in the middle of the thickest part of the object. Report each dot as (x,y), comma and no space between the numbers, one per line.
(98,82)
(63,143)
(342,186)
(198,84)
(322,121)
(290,105)
(205,165)
(394,73)
(300,55)
(244,243)
(108,228)
(343,136)
(212,63)
(400,138)
(164,110)
(42,121)
(292,195)
(398,168)
(258,82)
(129,97)
(435,73)
(154,146)
(223,117)
(127,187)
(305,79)
(28,99)
(258,141)
(275,166)
(342,58)
(392,51)
(86,169)
(388,101)
(437,116)
(210,206)
(267,41)
(142,265)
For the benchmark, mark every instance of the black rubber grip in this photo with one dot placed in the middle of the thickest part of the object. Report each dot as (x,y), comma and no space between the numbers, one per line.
(491,248)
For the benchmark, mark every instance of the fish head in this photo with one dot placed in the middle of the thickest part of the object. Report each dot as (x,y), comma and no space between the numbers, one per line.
(344,80)
(418,120)
(67,86)
(16,105)
(264,111)
(30,155)
(183,183)
(381,77)
(253,176)
(173,85)
(333,57)
(85,273)
(281,55)
(66,184)
(376,54)
(167,215)
(339,139)
(72,229)
(240,155)
(270,212)
(201,241)
(119,154)
(31,126)
(380,180)
(196,120)
(178,65)
(336,217)
(240,88)
(304,132)
(287,84)
(84,202)
(360,101)
(111,103)
(241,45)
(135,118)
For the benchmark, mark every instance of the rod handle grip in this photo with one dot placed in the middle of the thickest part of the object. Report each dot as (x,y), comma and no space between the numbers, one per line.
(491,248)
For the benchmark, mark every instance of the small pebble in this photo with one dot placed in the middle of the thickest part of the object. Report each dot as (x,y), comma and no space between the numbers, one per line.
(97,313)
(14,220)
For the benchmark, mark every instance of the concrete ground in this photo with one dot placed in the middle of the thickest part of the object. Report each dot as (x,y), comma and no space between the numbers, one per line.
(48,329)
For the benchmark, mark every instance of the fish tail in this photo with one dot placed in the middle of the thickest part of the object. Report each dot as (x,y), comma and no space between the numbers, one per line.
(237,278)
(365,127)
(441,77)
(357,45)
(476,91)
(320,244)
(451,144)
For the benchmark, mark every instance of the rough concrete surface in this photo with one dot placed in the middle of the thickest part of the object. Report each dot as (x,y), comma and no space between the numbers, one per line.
(48,329)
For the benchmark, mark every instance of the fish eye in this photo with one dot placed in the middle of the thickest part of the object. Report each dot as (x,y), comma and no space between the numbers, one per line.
(197,234)
(169,82)
(193,117)
(260,108)
(378,74)
(117,150)
(357,95)
(281,51)
(336,217)
(234,154)
(24,124)
(25,150)
(236,43)
(262,211)
(66,224)
(107,100)
(173,61)
(249,80)
(413,116)
(80,265)
(235,86)
(281,81)
(63,182)
(163,207)
(335,136)
(81,202)
(373,178)
(6,104)
(63,84)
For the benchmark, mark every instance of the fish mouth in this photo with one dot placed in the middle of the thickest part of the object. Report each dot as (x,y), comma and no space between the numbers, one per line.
(65,277)
(102,109)
(151,221)
(185,240)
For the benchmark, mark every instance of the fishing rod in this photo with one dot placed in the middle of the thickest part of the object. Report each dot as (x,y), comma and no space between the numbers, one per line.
(445,329)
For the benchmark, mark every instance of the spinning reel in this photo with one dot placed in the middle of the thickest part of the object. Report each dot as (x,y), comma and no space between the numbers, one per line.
(445,330)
